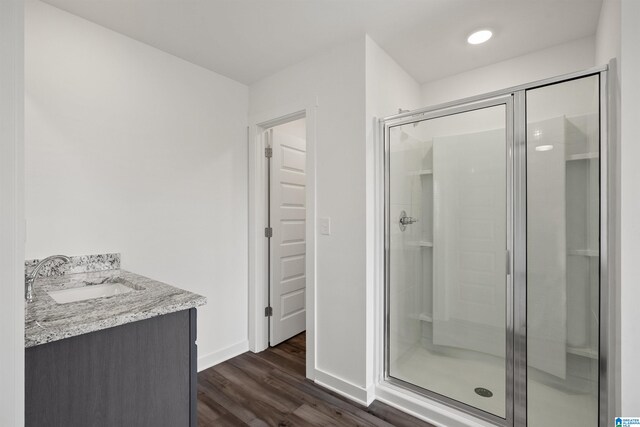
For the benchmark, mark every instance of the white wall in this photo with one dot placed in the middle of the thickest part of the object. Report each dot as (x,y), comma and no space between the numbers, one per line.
(561,59)
(389,86)
(132,150)
(336,79)
(630,207)
(608,32)
(11,214)
(353,83)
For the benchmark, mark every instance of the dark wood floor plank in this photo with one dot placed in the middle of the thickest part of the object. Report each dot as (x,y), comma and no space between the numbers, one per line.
(255,389)
(343,412)
(231,421)
(337,404)
(299,341)
(242,401)
(270,389)
(313,394)
(284,361)
(393,415)
(315,417)
(296,351)
(223,401)
(222,416)
(206,414)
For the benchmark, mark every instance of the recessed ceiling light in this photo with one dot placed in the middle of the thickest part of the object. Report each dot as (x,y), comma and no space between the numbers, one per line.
(544,147)
(479,37)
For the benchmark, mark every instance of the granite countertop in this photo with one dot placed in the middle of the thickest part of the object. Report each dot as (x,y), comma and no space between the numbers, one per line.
(47,321)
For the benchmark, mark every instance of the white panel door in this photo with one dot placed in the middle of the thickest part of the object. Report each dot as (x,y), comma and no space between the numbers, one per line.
(288,212)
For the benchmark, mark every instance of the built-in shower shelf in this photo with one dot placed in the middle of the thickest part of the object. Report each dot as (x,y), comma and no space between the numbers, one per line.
(583,351)
(583,252)
(583,156)
(424,317)
(421,243)
(422,172)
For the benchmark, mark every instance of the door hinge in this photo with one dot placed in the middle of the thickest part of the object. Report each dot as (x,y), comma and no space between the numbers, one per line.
(268,232)
(268,152)
(268,311)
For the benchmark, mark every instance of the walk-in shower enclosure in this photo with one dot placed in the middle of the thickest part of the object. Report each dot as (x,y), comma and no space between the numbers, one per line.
(496,291)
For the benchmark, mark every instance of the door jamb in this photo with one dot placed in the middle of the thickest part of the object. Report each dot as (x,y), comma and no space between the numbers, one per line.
(12,216)
(258,244)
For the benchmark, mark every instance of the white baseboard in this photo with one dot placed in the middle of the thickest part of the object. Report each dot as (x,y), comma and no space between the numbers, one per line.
(425,409)
(345,388)
(208,360)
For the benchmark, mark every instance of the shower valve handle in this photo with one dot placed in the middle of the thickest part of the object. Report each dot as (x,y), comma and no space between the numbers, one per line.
(406,220)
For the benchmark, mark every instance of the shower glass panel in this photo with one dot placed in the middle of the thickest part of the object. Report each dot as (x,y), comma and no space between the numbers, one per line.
(448,221)
(563,253)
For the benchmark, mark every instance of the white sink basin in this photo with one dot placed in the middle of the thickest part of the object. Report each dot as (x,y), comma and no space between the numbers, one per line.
(89,292)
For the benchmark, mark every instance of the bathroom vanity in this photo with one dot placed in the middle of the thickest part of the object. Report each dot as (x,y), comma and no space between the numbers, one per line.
(106,347)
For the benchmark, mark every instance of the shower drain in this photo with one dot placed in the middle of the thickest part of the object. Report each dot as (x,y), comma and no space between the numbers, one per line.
(484,392)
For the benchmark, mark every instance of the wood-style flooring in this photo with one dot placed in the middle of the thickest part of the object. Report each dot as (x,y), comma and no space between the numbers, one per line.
(270,389)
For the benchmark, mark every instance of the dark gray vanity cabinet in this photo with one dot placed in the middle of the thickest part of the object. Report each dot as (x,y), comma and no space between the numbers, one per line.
(135,375)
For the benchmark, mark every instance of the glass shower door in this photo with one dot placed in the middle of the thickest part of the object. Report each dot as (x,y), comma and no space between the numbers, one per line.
(448,285)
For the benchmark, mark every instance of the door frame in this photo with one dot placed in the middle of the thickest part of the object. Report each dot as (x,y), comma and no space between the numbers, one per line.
(12,215)
(507,101)
(258,244)
(432,409)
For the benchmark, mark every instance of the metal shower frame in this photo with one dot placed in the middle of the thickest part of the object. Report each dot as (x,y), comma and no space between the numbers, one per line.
(514,99)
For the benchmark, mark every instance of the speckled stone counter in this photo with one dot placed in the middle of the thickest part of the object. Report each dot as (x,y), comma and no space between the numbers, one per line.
(47,321)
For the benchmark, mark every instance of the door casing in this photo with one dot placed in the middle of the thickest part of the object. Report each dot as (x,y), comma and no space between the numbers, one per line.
(258,244)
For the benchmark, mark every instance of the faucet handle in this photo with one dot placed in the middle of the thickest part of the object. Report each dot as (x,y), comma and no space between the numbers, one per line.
(28,292)
(29,279)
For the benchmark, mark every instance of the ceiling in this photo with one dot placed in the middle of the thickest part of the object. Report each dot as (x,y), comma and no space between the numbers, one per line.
(248,40)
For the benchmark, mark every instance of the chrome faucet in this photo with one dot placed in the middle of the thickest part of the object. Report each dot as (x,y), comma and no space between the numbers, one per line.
(29,279)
